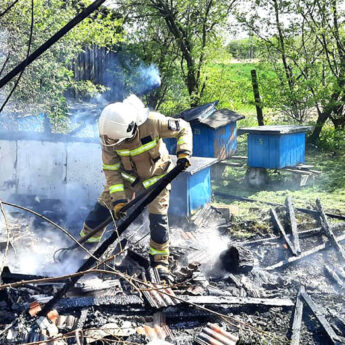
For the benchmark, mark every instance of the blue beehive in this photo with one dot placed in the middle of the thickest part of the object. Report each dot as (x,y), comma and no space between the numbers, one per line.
(275,147)
(191,190)
(214,131)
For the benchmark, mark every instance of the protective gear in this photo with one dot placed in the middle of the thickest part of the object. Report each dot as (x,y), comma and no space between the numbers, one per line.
(159,229)
(118,213)
(133,165)
(184,160)
(162,268)
(119,121)
(144,159)
(96,217)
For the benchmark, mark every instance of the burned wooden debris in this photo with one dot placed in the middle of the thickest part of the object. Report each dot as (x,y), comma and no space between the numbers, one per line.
(293,224)
(279,226)
(297,319)
(126,301)
(237,259)
(328,231)
(320,315)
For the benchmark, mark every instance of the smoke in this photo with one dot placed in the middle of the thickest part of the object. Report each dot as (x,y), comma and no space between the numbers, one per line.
(148,80)
(33,246)
(60,177)
(205,247)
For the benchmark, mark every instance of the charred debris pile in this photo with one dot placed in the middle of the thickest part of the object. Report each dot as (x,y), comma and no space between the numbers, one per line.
(282,287)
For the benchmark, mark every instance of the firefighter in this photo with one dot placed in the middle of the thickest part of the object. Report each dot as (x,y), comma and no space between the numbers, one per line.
(134,158)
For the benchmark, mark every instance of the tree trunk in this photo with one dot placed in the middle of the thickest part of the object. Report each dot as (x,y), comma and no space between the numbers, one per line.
(321,120)
(338,123)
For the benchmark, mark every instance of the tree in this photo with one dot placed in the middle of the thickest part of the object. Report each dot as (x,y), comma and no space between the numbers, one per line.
(185,30)
(45,82)
(303,40)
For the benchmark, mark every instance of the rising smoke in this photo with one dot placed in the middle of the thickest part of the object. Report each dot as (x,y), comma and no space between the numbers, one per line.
(60,177)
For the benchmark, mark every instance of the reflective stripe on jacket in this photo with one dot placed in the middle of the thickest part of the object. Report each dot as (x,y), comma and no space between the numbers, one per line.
(144,158)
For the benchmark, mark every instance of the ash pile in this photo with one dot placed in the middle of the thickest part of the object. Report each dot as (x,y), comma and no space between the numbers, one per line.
(284,285)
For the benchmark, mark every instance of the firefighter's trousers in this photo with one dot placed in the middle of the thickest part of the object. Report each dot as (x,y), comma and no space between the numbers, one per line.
(158,217)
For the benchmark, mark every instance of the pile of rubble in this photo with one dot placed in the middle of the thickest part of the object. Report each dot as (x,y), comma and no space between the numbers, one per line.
(225,291)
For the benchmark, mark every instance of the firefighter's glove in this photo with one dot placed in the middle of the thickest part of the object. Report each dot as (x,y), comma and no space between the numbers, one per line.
(118,213)
(184,160)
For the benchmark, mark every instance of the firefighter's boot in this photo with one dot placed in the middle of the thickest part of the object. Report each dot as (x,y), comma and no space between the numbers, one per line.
(95,218)
(159,259)
(159,244)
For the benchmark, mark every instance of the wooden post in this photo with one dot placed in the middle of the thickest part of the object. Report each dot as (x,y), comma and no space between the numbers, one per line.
(258,103)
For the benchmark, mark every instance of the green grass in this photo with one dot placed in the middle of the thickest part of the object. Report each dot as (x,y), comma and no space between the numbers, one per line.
(329,187)
(231,83)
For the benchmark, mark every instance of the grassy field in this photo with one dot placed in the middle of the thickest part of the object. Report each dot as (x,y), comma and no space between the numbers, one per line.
(329,186)
(231,84)
(328,157)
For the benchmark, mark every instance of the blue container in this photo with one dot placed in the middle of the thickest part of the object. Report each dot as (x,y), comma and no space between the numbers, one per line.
(275,147)
(214,134)
(191,190)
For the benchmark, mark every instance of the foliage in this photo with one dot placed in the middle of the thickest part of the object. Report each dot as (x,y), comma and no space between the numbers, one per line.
(303,41)
(46,80)
(178,36)
(332,139)
(243,49)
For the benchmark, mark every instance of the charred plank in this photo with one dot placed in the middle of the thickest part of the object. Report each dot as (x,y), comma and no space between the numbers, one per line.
(297,320)
(229,300)
(291,213)
(279,226)
(328,231)
(305,254)
(319,314)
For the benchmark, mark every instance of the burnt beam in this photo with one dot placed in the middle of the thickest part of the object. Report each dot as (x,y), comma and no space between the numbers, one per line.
(319,313)
(291,213)
(305,254)
(229,300)
(301,234)
(328,230)
(297,319)
(280,227)
(333,276)
(85,302)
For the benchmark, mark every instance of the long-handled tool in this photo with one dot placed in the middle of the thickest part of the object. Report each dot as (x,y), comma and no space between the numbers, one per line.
(60,254)
(122,226)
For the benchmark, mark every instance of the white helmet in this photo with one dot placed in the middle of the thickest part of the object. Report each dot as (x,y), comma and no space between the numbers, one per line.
(119,121)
